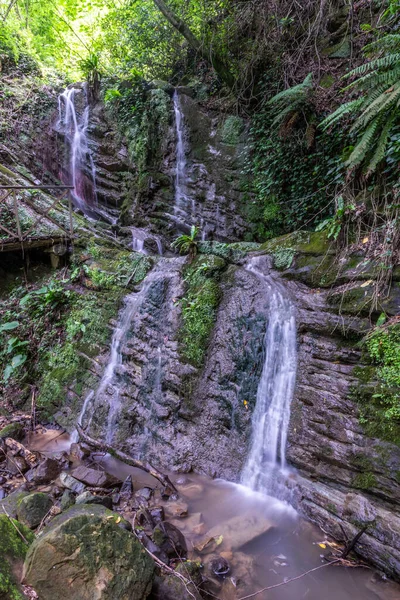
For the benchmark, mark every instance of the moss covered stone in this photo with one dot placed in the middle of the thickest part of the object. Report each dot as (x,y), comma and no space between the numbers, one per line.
(13,549)
(33,508)
(85,554)
(13,430)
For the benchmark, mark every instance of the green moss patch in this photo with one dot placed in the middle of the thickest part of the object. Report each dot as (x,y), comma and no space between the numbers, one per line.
(199,307)
(13,548)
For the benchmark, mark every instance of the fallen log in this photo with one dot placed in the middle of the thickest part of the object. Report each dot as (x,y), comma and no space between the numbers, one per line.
(128,460)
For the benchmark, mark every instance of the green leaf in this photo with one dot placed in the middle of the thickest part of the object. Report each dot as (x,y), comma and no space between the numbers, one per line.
(381,320)
(8,372)
(18,360)
(9,326)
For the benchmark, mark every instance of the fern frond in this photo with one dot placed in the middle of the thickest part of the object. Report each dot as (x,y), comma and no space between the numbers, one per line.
(381,104)
(283,114)
(300,90)
(391,41)
(361,149)
(347,108)
(381,146)
(374,79)
(384,62)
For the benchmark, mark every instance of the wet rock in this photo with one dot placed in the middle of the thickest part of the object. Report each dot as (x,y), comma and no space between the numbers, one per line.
(177,509)
(236,532)
(47,471)
(170,540)
(127,487)
(144,494)
(94,478)
(88,498)
(33,508)
(16,464)
(11,502)
(2,493)
(220,567)
(67,500)
(157,514)
(71,483)
(13,430)
(12,551)
(170,587)
(85,554)
(77,452)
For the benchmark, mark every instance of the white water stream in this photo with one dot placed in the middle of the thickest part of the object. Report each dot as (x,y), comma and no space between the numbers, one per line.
(180,176)
(74,128)
(275,390)
(108,387)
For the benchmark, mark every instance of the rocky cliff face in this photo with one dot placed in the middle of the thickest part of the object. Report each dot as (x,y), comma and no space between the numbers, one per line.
(198,417)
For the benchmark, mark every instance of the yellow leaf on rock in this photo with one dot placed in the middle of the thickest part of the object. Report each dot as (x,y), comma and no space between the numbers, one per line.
(365,240)
(366,283)
(322,545)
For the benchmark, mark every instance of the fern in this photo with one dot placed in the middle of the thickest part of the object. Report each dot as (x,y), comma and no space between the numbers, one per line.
(291,103)
(375,112)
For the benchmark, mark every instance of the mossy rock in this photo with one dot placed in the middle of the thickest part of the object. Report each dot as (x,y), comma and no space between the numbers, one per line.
(13,430)
(11,503)
(87,554)
(13,550)
(304,242)
(33,508)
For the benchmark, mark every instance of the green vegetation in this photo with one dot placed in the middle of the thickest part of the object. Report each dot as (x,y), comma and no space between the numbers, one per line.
(376,109)
(199,306)
(187,244)
(13,548)
(378,392)
(50,335)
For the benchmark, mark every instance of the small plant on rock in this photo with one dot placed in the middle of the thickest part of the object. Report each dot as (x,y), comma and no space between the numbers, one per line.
(187,244)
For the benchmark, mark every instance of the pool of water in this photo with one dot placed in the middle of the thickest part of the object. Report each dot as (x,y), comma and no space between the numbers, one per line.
(265,541)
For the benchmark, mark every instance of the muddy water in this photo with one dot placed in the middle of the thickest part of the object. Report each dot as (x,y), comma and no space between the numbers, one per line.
(263,539)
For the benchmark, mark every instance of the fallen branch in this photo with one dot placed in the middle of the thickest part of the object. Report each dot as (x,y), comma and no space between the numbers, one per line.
(350,544)
(125,458)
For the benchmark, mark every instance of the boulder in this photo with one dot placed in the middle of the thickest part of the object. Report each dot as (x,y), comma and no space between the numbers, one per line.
(46,471)
(85,554)
(33,508)
(88,498)
(12,551)
(11,502)
(235,532)
(94,478)
(16,465)
(170,540)
(71,483)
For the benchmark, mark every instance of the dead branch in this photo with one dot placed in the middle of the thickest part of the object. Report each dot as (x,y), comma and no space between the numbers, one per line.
(350,544)
(125,458)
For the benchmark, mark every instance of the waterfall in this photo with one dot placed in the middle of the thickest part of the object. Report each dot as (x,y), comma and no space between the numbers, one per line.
(74,128)
(109,387)
(180,175)
(275,390)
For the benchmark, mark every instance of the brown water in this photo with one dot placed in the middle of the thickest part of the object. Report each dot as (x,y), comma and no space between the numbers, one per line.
(289,546)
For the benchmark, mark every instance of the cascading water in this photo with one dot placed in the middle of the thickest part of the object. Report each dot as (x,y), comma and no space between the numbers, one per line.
(180,176)
(275,390)
(74,128)
(109,387)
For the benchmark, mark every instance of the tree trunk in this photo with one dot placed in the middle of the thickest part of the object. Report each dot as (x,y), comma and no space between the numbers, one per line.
(207,53)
